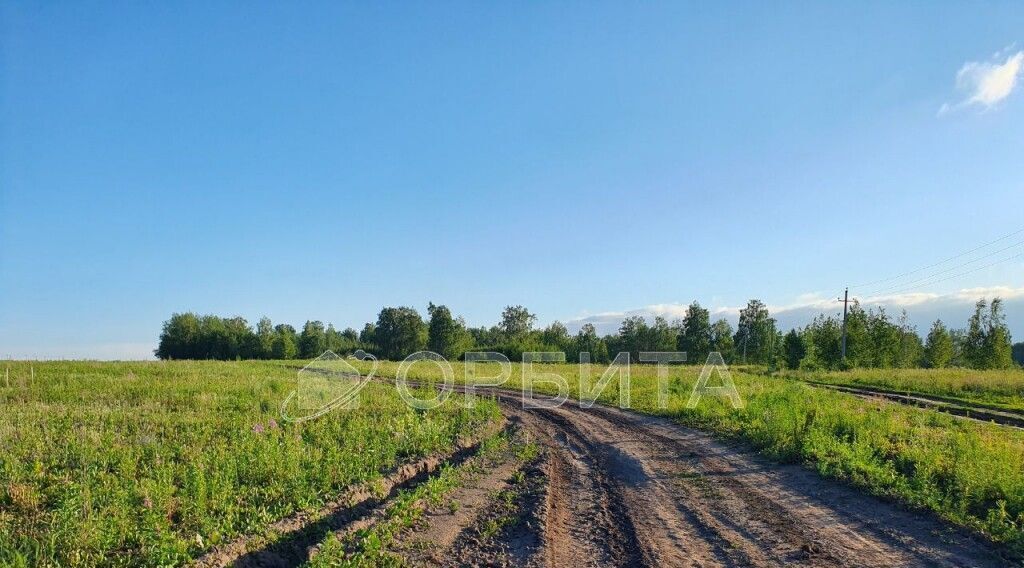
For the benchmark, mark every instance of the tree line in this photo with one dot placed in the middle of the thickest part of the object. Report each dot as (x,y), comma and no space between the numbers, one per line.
(874,339)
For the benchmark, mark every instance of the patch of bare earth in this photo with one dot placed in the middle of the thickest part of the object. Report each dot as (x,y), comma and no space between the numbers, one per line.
(491,519)
(631,490)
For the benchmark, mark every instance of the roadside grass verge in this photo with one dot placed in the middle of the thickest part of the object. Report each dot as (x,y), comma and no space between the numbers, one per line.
(968,472)
(151,464)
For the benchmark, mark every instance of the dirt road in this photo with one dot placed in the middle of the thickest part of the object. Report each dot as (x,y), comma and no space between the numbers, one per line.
(630,490)
(616,488)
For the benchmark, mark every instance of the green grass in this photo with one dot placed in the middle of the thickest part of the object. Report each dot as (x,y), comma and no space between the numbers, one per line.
(968,472)
(147,464)
(154,463)
(370,546)
(1002,389)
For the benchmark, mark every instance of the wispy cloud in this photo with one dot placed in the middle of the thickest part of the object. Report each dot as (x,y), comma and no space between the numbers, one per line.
(986,83)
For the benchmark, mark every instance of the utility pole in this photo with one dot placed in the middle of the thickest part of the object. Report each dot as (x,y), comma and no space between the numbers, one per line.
(844,300)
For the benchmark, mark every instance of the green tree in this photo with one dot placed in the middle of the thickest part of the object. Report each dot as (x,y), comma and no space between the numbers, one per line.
(516,322)
(399,333)
(366,336)
(486,337)
(911,349)
(661,336)
(312,340)
(973,349)
(823,338)
(446,336)
(859,347)
(265,338)
(938,349)
(721,339)
(284,344)
(959,337)
(224,339)
(997,346)
(180,337)
(333,341)
(341,342)
(885,341)
(695,335)
(987,343)
(557,336)
(243,341)
(632,336)
(635,336)
(756,336)
(588,341)
(794,349)
(1018,353)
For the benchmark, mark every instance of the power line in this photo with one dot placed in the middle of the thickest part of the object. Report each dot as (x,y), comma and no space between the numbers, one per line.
(1018,255)
(941,262)
(950,269)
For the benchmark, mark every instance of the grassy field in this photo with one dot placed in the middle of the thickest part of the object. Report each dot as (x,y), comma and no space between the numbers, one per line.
(147,464)
(1002,389)
(968,472)
(155,463)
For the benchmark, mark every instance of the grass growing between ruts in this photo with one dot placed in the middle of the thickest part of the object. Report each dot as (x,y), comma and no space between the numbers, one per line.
(968,472)
(1001,389)
(146,464)
(369,546)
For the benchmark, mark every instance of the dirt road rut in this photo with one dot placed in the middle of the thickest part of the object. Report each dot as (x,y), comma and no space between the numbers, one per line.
(630,490)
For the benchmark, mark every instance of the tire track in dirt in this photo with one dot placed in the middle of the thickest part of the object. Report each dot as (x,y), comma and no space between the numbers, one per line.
(294,537)
(632,490)
(584,505)
(626,489)
(490,518)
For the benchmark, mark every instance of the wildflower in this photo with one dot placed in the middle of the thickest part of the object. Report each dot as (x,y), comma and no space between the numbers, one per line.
(147,502)
(257,428)
(273,424)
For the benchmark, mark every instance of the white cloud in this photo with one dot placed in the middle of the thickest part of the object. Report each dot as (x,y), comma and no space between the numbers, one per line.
(987,82)
(965,295)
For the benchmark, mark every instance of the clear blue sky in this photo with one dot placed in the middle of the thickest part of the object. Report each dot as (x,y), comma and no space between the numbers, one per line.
(323,160)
